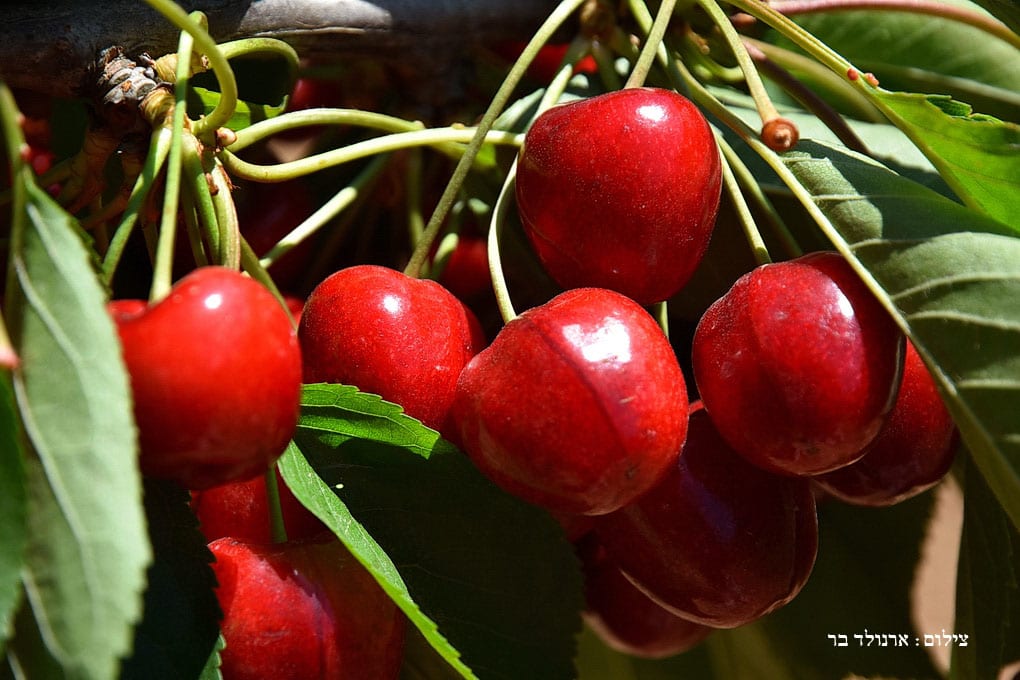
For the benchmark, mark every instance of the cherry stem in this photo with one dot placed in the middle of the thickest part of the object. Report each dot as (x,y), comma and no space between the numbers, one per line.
(506,89)
(202,196)
(226,216)
(661,313)
(277,529)
(777,132)
(329,210)
(752,189)
(929,7)
(162,277)
(653,41)
(747,223)
(227,103)
(319,117)
(437,137)
(159,149)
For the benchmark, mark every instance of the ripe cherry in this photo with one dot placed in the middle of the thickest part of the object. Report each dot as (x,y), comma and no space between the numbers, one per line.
(798,364)
(404,339)
(718,541)
(625,618)
(240,510)
(300,610)
(578,405)
(912,452)
(215,373)
(620,191)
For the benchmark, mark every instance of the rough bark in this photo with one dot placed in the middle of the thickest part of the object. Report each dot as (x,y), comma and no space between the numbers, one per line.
(49,46)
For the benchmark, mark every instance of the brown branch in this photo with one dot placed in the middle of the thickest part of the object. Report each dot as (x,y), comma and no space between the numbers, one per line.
(48,47)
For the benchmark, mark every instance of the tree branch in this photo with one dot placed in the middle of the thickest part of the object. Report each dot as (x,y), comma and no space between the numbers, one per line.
(49,47)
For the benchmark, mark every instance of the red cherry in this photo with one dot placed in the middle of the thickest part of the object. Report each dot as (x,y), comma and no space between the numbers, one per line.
(579,405)
(912,452)
(798,364)
(215,373)
(625,618)
(302,610)
(241,510)
(718,541)
(466,272)
(620,191)
(404,339)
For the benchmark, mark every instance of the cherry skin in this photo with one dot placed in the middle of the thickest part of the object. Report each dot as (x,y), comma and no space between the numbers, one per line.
(626,619)
(241,510)
(300,610)
(215,372)
(405,339)
(717,541)
(798,364)
(578,405)
(912,452)
(620,191)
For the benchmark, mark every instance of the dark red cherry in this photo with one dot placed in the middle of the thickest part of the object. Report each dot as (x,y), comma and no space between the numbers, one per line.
(215,373)
(798,364)
(620,191)
(404,339)
(625,618)
(912,452)
(578,405)
(718,541)
(299,610)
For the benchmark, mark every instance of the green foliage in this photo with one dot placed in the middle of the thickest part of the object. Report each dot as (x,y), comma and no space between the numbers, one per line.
(87,549)
(495,575)
(12,508)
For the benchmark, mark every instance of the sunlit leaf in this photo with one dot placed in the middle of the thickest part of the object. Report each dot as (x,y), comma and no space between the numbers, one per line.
(975,154)
(88,549)
(12,509)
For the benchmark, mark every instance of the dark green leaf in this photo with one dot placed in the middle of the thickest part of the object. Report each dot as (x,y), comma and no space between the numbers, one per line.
(179,630)
(952,280)
(987,586)
(12,508)
(88,550)
(494,574)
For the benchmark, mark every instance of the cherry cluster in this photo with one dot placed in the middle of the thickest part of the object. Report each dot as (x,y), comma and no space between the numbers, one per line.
(688,515)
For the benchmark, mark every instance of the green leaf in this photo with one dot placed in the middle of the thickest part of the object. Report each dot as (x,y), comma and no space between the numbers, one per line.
(179,631)
(201,102)
(13,532)
(923,53)
(211,671)
(987,586)
(495,575)
(950,277)
(87,550)
(975,154)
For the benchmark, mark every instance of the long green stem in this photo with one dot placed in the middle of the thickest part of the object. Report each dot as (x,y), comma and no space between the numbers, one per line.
(221,67)
(159,149)
(654,38)
(548,28)
(747,223)
(162,278)
(319,117)
(200,194)
(282,172)
(499,215)
(329,210)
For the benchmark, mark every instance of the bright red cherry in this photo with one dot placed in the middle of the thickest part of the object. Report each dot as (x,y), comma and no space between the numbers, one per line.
(798,364)
(912,452)
(620,191)
(578,405)
(215,373)
(625,618)
(301,610)
(241,510)
(404,339)
(718,541)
